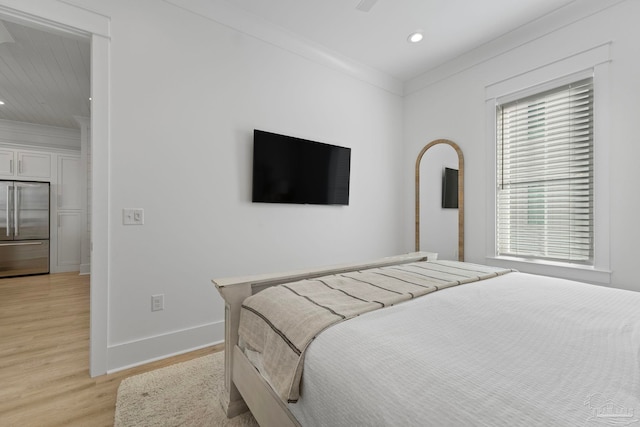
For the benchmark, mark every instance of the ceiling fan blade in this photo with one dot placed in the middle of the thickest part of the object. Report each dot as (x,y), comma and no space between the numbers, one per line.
(366,5)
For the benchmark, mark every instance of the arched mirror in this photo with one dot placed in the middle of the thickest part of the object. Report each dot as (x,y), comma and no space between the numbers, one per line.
(438,228)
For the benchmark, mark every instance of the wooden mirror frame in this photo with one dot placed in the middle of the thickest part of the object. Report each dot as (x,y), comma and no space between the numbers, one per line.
(460,193)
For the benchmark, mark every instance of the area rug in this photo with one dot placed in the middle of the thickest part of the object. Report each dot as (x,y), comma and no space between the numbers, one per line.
(185,394)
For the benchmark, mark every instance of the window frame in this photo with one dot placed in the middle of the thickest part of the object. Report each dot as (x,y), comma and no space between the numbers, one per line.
(594,63)
(526,202)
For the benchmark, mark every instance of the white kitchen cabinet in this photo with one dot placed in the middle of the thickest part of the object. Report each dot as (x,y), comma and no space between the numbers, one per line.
(33,165)
(6,163)
(69,238)
(29,165)
(70,213)
(70,184)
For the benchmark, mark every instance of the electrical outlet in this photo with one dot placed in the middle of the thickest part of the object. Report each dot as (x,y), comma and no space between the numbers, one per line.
(157,302)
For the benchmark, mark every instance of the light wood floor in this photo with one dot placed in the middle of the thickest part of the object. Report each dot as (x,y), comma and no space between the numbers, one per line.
(44,355)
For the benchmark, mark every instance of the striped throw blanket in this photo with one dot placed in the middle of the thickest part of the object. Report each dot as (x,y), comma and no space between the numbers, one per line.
(280,322)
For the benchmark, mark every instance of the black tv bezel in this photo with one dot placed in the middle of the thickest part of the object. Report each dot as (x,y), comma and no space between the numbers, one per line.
(262,135)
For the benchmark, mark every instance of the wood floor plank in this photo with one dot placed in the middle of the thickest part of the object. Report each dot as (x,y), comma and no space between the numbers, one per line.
(44,355)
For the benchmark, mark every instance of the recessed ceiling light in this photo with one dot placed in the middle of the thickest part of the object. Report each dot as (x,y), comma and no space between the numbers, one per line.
(1,102)
(415,37)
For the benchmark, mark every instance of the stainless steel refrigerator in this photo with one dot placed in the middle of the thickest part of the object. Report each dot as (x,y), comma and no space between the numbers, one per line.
(24,228)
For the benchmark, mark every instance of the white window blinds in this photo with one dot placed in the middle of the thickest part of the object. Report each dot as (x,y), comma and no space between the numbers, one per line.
(545,175)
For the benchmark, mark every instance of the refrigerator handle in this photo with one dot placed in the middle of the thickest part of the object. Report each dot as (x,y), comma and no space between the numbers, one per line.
(16,208)
(8,210)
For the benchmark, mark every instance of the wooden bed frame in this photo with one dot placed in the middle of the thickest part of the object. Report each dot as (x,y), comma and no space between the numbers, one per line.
(244,388)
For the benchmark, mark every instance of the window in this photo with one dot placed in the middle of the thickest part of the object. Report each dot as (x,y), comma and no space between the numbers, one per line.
(544,175)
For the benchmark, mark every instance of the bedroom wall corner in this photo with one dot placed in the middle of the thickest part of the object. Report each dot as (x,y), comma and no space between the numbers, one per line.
(450,102)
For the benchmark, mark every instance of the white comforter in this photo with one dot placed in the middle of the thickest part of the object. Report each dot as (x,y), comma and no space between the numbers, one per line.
(517,350)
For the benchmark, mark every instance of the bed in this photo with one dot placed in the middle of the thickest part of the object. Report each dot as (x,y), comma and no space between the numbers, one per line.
(455,344)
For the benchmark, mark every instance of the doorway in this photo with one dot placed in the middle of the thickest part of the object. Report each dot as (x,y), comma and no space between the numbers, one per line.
(72,20)
(45,90)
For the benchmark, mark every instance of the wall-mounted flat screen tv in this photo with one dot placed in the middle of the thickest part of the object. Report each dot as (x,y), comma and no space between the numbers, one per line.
(450,188)
(294,170)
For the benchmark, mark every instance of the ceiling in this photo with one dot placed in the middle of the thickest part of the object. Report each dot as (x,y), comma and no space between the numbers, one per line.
(45,77)
(378,38)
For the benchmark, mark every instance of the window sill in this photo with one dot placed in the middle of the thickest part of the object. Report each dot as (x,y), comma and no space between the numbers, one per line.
(577,272)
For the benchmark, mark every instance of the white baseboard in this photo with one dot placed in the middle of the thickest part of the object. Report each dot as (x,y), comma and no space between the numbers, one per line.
(85,269)
(135,353)
(64,268)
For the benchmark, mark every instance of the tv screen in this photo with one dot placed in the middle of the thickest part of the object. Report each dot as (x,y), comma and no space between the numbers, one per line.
(294,170)
(449,188)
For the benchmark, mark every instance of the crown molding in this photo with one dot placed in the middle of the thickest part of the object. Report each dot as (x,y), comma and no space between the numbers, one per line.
(541,27)
(61,17)
(254,26)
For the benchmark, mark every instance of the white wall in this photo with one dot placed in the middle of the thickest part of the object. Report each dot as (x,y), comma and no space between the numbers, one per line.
(186,94)
(449,103)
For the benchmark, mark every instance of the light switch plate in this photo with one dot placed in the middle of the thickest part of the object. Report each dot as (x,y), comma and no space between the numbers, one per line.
(133,216)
